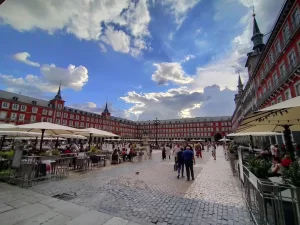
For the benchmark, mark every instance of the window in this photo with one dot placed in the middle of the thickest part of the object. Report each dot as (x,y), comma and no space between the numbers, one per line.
(271,57)
(49,120)
(65,115)
(264,89)
(32,119)
(13,116)
(64,122)
(292,58)
(287,94)
(278,47)
(5,105)
(297,88)
(34,109)
(57,121)
(269,84)
(286,32)
(59,106)
(279,99)
(275,79)
(71,123)
(58,114)
(50,113)
(3,115)
(82,117)
(87,119)
(82,124)
(71,116)
(273,102)
(44,112)
(44,119)
(282,70)
(23,108)
(92,119)
(21,117)
(15,106)
(77,117)
(87,125)
(296,18)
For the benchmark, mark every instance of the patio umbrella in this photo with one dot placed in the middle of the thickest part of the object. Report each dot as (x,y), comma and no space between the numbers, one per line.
(76,136)
(44,127)
(96,133)
(253,134)
(224,139)
(284,116)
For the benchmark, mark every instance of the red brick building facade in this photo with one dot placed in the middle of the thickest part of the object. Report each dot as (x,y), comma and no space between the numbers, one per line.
(19,109)
(273,67)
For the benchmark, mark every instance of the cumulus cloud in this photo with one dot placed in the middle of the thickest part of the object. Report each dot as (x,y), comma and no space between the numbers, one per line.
(117,39)
(86,19)
(170,72)
(23,57)
(71,77)
(180,102)
(102,47)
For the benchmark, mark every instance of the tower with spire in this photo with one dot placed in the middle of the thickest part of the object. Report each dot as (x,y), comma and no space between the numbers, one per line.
(57,102)
(240,87)
(258,47)
(106,113)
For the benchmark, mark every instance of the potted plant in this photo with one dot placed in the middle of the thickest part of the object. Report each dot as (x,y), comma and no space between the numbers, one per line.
(291,175)
(259,167)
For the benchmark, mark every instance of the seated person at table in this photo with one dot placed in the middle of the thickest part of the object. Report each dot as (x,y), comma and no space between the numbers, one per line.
(124,154)
(81,155)
(264,153)
(286,161)
(115,157)
(276,168)
(67,150)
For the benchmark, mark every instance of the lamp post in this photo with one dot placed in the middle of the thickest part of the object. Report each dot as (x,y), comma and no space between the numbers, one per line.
(156,123)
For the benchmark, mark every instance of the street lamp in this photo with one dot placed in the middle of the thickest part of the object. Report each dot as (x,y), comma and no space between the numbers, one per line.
(156,123)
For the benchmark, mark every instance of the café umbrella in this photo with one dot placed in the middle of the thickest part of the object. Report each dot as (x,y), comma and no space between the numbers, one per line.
(282,117)
(44,128)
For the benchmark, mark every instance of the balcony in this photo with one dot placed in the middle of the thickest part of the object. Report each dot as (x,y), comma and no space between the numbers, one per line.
(284,76)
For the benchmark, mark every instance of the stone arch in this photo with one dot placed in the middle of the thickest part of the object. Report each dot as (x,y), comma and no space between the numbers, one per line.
(217,136)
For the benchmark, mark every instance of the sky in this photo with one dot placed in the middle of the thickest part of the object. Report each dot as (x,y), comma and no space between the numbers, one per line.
(146,58)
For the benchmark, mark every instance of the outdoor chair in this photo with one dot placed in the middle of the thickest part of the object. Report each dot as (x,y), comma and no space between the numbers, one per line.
(94,160)
(62,168)
(81,164)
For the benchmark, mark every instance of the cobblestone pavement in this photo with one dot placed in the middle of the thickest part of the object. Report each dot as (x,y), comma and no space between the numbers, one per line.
(155,195)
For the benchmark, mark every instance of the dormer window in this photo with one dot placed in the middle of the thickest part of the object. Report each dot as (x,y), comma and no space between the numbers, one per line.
(15,98)
(33,102)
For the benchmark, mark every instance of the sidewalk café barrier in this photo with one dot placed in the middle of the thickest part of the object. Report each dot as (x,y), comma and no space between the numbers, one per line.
(271,203)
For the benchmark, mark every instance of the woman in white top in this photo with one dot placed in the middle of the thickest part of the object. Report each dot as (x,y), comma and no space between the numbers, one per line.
(276,168)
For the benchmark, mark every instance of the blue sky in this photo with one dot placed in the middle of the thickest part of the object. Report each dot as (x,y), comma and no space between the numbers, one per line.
(166,59)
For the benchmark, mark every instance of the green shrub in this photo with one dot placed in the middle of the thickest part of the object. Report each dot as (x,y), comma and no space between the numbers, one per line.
(259,167)
(55,152)
(291,175)
(7,154)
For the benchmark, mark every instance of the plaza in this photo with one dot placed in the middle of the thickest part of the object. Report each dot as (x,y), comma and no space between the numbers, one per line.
(118,195)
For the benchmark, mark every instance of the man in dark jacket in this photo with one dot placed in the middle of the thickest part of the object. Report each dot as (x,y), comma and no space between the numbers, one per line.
(180,163)
(189,161)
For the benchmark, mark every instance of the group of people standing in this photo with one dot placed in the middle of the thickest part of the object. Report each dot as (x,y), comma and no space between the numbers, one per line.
(185,156)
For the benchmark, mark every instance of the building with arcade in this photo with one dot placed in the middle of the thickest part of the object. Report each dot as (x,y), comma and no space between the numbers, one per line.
(20,109)
(273,67)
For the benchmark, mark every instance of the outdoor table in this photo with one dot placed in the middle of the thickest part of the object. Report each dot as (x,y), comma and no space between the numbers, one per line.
(102,157)
(276,179)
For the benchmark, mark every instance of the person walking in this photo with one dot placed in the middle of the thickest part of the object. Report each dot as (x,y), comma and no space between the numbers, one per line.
(163,153)
(176,149)
(213,152)
(180,163)
(168,152)
(189,161)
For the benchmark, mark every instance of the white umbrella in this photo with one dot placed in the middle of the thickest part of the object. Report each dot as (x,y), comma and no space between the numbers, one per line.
(284,116)
(224,139)
(6,125)
(76,136)
(253,134)
(19,134)
(44,127)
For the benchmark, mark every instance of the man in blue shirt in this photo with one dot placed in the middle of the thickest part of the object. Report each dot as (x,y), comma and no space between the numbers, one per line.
(189,161)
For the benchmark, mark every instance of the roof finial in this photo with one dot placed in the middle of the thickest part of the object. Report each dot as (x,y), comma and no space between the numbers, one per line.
(253,12)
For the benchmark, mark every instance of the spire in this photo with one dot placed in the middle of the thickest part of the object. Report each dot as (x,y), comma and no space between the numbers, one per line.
(240,81)
(257,38)
(240,85)
(58,95)
(106,109)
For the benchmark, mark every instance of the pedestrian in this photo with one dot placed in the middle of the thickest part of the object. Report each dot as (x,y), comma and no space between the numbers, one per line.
(213,151)
(189,161)
(180,163)
(176,149)
(168,152)
(163,153)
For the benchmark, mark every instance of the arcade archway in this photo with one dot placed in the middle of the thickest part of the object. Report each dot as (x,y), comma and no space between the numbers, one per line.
(217,136)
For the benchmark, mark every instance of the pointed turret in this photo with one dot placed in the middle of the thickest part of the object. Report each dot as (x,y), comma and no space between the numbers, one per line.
(240,84)
(106,112)
(58,95)
(257,38)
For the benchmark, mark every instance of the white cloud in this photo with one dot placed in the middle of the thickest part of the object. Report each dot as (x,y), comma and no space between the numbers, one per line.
(102,47)
(23,57)
(188,58)
(180,102)
(118,40)
(170,72)
(72,77)
(86,19)
(179,8)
